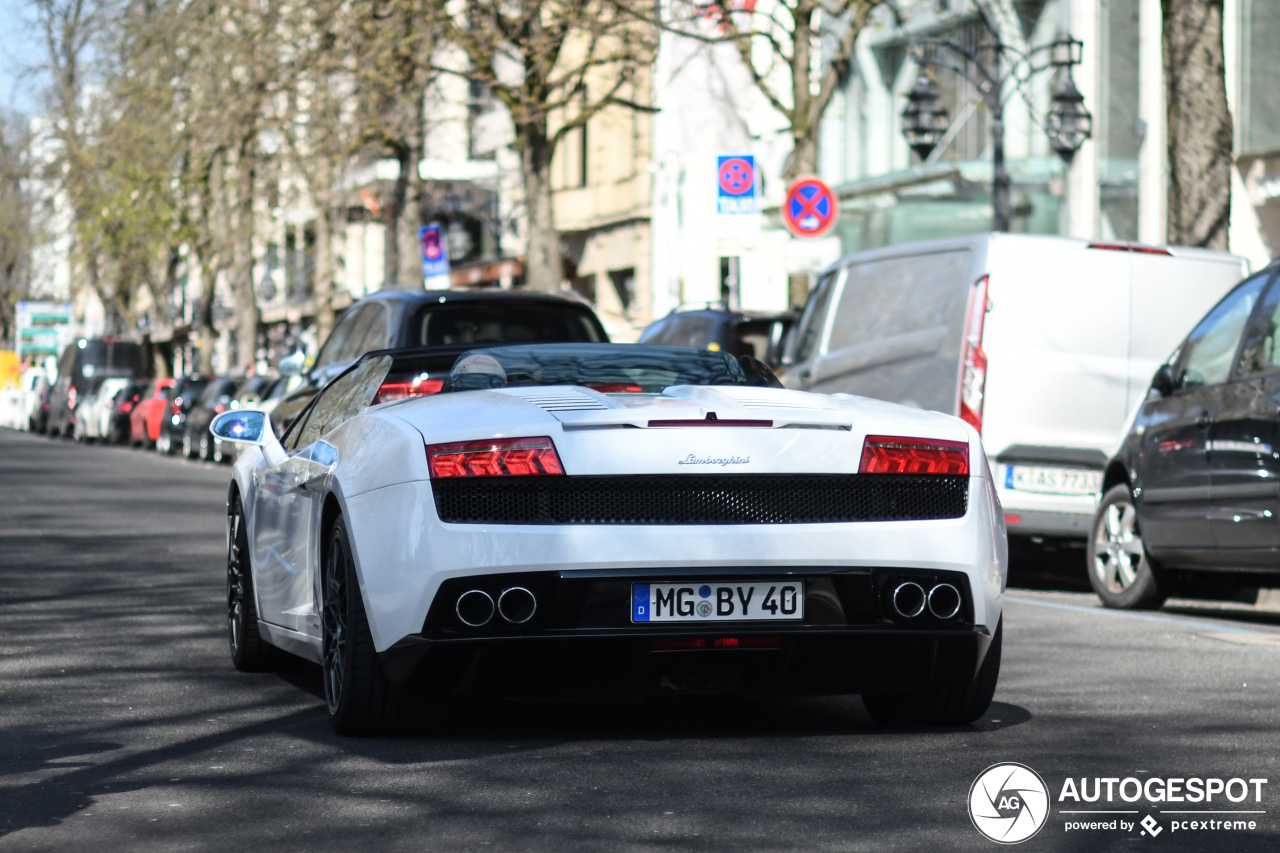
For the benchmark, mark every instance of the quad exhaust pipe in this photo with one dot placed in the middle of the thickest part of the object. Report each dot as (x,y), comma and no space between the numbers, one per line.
(910,600)
(476,608)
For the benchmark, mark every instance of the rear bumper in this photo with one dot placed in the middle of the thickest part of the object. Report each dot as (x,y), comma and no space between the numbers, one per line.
(626,665)
(1073,525)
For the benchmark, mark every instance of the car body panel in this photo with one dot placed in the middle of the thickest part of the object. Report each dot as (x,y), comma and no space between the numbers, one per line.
(377,477)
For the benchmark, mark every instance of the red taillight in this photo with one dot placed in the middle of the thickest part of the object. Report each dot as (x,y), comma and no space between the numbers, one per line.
(616,388)
(887,454)
(681,643)
(973,367)
(499,457)
(217,410)
(126,407)
(1013,519)
(71,398)
(176,408)
(401,390)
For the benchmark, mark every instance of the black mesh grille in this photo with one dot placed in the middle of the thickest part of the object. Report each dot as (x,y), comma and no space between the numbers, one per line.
(701,499)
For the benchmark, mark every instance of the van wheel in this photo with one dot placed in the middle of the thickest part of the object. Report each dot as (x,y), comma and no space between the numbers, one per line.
(942,706)
(1120,571)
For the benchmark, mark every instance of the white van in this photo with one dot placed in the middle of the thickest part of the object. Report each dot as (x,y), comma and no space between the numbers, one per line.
(1049,373)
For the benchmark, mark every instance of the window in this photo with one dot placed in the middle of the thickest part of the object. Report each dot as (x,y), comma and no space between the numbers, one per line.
(343,399)
(1207,354)
(497,322)
(893,296)
(1260,97)
(333,347)
(809,334)
(1259,353)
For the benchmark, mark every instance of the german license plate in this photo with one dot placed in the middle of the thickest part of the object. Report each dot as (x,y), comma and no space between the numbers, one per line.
(1052,481)
(718,601)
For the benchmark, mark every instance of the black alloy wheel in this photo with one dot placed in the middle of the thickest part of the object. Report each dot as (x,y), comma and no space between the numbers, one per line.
(1120,571)
(249,651)
(360,698)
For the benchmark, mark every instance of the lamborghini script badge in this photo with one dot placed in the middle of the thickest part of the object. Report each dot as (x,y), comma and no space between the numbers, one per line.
(693,459)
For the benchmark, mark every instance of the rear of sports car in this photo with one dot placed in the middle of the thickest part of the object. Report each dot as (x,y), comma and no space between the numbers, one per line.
(569,542)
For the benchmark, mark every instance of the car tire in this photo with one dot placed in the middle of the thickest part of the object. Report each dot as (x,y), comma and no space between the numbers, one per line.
(164,444)
(1120,571)
(203,451)
(942,706)
(186,445)
(359,697)
(249,651)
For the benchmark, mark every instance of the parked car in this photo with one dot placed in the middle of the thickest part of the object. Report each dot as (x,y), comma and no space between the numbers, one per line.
(82,365)
(93,414)
(439,318)
(536,548)
(1043,344)
(118,420)
(1191,503)
(150,409)
(215,399)
(182,396)
(35,384)
(716,328)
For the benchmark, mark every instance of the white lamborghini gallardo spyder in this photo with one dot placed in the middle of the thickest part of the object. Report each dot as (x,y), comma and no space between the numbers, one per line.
(612,520)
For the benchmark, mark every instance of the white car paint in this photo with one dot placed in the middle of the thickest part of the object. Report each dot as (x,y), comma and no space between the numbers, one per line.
(375,467)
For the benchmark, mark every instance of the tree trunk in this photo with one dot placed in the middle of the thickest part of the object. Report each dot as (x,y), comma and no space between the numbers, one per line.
(391,234)
(410,219)
(1199,124)
(543,268)
(324,272)
(204,319)
(246,301)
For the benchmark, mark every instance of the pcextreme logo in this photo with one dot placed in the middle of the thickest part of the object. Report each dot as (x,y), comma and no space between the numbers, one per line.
(1008,803)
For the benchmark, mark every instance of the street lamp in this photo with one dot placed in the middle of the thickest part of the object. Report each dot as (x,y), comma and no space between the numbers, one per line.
(1068,123)
(925,120)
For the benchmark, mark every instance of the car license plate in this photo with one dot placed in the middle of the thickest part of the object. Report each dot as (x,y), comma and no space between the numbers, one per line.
(1052,481)
(719,601)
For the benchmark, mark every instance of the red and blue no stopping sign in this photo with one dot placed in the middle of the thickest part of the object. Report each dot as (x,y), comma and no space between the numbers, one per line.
(737,190)
(810,209)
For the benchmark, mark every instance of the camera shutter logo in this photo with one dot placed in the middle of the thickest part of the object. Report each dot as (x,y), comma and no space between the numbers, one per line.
(1008,803)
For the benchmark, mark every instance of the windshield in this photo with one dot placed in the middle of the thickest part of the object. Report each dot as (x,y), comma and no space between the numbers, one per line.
(609,368)
(477,323)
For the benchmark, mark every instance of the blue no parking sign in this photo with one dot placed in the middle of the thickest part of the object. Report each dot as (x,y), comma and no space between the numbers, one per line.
(435,255)
(737,186)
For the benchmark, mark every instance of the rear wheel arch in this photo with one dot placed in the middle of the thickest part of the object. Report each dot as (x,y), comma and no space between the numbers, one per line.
(1115,474)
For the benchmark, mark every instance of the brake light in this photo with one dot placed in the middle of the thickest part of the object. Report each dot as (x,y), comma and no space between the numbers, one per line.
(402,390)
(973,367)
(176,409)
(126,407)
(219,409)
(499,457)
(1131,247)
(616,388)
(887,454)
(712,422)
(71,398)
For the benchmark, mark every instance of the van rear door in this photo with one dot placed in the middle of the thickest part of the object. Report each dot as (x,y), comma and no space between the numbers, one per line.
(896,330)
(1057,346)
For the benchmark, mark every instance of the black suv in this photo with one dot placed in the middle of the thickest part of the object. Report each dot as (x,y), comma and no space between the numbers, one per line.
(716,327)
(448,319)
(81,367)
(1191,505)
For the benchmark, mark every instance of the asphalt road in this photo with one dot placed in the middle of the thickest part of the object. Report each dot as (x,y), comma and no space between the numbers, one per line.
(124,727)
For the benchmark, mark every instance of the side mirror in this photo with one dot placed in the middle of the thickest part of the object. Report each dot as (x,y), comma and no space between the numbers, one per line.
(1164,381)
(291,365)
(249,426)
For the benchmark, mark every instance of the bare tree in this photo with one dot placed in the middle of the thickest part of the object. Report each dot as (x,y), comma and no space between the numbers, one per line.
(1199,123)
(778,43)
(554,65)
(16,217)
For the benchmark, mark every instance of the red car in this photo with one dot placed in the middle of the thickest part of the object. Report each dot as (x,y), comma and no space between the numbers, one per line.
(144,420)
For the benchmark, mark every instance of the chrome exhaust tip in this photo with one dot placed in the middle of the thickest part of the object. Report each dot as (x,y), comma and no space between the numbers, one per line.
(944,601)
(474,608)
(517,605)
(909,599)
